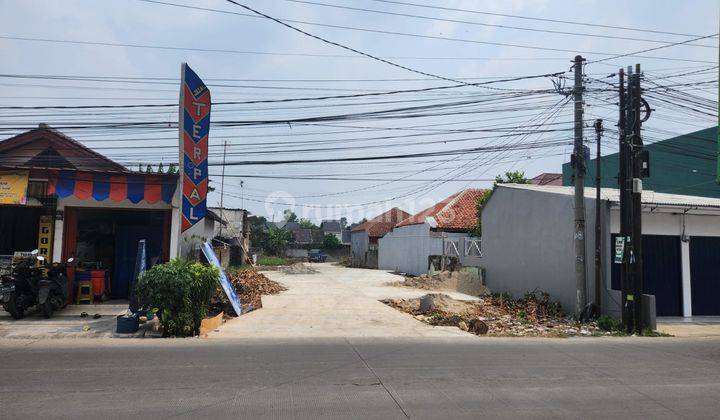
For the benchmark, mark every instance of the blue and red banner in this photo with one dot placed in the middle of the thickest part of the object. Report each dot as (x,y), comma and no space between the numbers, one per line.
(100,187)
(194,135)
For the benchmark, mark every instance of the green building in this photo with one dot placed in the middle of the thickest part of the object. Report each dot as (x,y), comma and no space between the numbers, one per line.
(685,164)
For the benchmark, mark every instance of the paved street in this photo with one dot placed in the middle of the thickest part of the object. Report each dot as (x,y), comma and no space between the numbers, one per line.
(361,378)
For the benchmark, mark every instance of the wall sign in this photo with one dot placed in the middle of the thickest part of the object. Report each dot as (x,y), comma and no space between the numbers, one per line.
(13,187)
(45,236)
(619,249)
(194,134)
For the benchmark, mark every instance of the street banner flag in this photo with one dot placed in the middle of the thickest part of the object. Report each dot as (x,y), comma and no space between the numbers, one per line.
(194,134)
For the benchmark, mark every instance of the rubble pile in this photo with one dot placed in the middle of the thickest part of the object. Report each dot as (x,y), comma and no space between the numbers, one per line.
(457,281)
(298,268)
(249,285)
(497,315)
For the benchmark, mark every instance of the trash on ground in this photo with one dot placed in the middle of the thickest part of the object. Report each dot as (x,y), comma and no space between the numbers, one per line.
(497,315)
(250,285)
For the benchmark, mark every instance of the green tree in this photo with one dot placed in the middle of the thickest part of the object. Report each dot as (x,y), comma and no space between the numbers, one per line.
(307,224)
(331,241)
(290,216)
(511,177)
(277,241)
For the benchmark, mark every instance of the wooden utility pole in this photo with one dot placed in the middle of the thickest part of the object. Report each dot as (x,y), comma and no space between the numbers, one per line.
(598,226)
(578,163)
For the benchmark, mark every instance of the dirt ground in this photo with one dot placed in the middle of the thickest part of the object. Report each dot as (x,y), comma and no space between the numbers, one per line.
(535,315)
(456,281)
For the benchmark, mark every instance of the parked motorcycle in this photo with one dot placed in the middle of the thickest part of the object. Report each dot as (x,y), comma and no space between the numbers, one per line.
(18,291)
(53,291)
(27,287)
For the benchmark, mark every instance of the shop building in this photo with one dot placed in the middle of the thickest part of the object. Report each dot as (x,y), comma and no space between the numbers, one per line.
(67,200)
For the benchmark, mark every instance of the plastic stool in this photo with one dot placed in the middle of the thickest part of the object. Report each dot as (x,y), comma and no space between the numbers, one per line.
(84,292)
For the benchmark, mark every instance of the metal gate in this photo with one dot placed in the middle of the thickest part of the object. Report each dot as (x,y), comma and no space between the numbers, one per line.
(705,275)
(662,273)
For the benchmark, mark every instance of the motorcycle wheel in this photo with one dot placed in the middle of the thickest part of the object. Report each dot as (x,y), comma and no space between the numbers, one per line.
(12,307)
(47,308)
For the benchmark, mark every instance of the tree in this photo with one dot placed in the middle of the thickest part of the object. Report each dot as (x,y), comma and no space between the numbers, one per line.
(258,231)
(290,216)
(331,241)
(510,177)
(307,224)
(277,241)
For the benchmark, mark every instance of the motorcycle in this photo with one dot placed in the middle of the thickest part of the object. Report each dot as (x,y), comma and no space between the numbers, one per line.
(27,287)
(18,291)
(53,291)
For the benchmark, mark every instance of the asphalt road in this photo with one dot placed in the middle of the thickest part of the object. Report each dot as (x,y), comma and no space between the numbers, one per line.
(361,378)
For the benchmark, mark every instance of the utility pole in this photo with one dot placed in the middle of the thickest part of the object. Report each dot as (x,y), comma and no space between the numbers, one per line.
(598,227)
(626,284)
(578,164)
(242,195)
(718,129)
(222,186)
(637,174)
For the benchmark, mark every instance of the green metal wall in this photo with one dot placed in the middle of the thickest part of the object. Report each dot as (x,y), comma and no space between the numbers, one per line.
(681,165)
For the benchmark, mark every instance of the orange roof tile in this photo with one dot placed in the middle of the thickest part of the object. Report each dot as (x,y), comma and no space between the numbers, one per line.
(382,224)
(457,212)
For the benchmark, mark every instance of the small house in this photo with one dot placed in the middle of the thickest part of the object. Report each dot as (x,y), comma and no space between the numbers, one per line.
(364,237)
(439,233)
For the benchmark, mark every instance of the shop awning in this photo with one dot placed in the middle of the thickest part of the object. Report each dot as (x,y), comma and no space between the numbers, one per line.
(136,188)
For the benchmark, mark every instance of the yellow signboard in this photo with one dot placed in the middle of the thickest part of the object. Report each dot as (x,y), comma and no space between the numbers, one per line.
(45,236)
(13,187)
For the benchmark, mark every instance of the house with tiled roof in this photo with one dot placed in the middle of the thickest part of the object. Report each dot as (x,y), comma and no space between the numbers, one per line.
(440,232)
(364,237)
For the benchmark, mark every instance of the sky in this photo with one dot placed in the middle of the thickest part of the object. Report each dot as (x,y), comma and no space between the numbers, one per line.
(120,52)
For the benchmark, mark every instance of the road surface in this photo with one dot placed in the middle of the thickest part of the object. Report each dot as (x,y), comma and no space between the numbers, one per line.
(428,378)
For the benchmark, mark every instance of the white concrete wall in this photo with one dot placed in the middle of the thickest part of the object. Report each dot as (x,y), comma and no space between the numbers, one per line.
(406,249)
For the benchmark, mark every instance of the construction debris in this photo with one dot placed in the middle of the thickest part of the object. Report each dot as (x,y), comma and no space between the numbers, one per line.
(298,268)
(457,281)
(497,315)
(250,285)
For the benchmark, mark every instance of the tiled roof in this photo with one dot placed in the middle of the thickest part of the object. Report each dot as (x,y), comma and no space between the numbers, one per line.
(56,150)
(457,212)
(547,178)
(382,224)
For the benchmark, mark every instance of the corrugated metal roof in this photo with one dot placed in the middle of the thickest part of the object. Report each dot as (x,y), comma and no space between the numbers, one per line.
(613,195)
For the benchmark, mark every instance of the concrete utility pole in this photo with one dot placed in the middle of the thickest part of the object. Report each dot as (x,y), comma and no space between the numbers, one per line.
(628,308)
(598,226)
(222,186)
(638,162)
(578,164)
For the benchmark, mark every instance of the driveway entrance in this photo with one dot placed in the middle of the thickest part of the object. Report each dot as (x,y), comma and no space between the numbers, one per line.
(335,302)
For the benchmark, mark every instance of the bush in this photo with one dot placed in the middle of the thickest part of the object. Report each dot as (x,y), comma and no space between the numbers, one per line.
(267,260)
(181,291)
(607,323)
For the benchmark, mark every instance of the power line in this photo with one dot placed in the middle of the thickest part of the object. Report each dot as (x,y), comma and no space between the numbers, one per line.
(597,25)
(385,12)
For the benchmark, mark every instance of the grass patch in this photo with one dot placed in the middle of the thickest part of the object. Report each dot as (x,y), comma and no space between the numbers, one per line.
(268,260)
